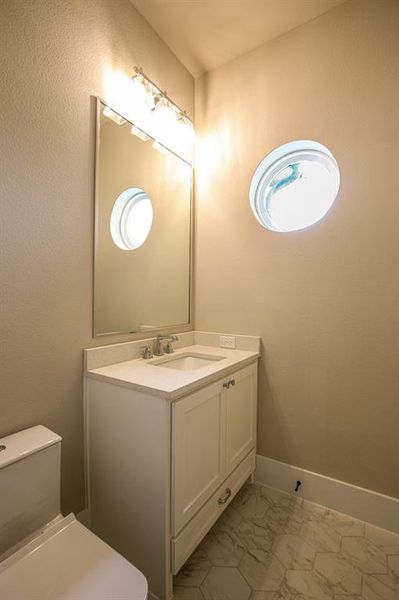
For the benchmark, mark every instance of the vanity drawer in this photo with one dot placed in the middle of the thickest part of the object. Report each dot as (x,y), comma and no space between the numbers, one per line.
(186,542)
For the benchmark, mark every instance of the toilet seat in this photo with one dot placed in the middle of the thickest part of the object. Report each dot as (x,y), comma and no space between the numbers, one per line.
(69,562)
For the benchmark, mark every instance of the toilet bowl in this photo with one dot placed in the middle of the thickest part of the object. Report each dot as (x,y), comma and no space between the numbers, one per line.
(44,555)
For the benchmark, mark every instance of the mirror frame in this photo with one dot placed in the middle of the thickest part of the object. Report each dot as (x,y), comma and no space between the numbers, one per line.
(181,327)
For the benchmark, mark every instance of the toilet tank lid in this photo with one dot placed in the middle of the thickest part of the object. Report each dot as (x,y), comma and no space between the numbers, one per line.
(23,443)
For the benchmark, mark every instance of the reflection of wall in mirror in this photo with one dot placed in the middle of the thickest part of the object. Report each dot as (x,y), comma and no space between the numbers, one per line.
(147,287)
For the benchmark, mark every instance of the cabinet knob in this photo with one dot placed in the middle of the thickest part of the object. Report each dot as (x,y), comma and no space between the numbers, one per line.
(225,497)
(227,384)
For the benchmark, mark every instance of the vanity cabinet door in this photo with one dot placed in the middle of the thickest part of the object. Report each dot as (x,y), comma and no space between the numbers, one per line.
(198,451)
(241,400)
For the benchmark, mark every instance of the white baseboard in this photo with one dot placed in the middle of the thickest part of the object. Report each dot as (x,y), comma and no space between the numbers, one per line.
(363,504)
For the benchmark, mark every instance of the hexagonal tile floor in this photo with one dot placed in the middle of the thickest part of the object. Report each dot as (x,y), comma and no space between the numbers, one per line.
(268,545)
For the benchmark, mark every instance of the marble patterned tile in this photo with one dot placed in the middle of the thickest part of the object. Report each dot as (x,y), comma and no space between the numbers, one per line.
(229,519)
(223,548)
(250,506)
(308,585)
(268,545)
(247,491)
(380,587)
(282,520)
(304,510)
(293,552)
(225,584)
(274,497)
(363,554)
(299,508)
(346,597)
(340,574)
(321,536)
(393,564)
(194,570)
(262,570)
(266,596)
(255,534)
(387,541)
(187,593)
(343,524)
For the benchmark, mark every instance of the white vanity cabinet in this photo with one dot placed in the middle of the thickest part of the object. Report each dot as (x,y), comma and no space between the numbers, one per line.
(212,431)
(161,471)
(198,451)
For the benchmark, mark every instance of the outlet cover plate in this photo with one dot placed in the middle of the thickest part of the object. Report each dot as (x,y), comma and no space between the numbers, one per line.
(228,341)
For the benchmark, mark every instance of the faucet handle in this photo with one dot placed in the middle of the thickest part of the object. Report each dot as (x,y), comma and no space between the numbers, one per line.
(169,348)
(146,351)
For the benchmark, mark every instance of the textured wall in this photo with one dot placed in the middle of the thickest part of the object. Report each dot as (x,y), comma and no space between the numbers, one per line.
(324,300)
(53,57)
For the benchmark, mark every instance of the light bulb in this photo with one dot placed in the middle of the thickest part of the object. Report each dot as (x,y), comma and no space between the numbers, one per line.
(142,98)
(159,147)
(138,90)
(107,112)
(150,96)
(140,134)
(164,119)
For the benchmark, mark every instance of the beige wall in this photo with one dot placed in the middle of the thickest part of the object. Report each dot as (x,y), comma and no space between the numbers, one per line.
(53,57)
(324,300)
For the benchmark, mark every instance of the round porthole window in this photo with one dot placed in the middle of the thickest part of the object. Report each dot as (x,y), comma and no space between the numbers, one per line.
(294,186)
(131,219)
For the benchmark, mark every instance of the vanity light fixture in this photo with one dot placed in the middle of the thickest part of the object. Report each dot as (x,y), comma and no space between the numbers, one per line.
(142,91)
(153,113)
(163,118)
(140,134)
(107,112)
(162,149)
(164,115)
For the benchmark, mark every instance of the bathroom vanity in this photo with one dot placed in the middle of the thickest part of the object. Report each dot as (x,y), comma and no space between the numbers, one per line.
(169,442)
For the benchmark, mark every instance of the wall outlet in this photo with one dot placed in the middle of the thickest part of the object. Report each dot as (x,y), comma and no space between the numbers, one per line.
(227,341)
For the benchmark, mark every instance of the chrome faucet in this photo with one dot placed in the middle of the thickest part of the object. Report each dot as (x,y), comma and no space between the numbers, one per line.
(146,351)
(158,344)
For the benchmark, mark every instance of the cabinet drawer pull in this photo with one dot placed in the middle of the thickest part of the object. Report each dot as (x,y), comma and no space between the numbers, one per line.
(226,497)
(226,385)
(232,381)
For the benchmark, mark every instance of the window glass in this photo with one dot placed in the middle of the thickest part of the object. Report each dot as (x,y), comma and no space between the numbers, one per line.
(294,186)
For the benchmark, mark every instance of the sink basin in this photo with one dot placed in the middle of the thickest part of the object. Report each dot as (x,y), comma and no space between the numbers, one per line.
(187,361)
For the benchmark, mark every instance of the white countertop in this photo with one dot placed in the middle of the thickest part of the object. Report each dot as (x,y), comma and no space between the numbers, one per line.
(139,374)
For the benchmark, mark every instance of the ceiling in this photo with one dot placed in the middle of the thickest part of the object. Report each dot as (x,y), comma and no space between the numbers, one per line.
(205,34)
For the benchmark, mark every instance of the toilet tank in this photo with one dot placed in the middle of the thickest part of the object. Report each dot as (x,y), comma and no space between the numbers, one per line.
(30,463)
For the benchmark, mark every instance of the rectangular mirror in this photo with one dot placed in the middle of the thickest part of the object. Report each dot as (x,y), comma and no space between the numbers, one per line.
(143,211)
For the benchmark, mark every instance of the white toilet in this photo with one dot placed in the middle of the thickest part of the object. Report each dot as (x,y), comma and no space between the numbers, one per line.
(43,555)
